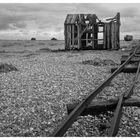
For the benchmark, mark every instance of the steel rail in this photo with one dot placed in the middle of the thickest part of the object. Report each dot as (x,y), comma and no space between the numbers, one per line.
(118,112)
(60,131)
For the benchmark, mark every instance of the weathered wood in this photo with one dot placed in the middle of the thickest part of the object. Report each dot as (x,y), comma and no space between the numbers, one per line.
(105,36)
(133,85)
(65,35)
(82,21)
(86,39)
(116,118)
(70,36)
(131,68)
(79,38)
(108,36)
(73,36)
(133,60)
(112,35)
(118,30)
(100,106)
(95,35)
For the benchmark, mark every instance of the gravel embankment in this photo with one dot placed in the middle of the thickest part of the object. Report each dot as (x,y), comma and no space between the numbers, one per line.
(130,122)
(90,126)
(33,99)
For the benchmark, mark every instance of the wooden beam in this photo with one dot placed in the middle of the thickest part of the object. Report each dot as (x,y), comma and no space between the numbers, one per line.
(73,36)
(108,36)
(105,36)
(86,39)
(100,106)
(78,37)
(69,32)
(65,35)
(130,68)
(116,118)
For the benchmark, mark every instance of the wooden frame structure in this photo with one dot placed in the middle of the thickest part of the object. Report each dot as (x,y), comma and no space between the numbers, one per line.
(86,31)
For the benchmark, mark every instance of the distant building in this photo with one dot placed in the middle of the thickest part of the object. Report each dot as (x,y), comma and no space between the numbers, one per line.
(53,38)
(87,31)
(128,38)
(33,38)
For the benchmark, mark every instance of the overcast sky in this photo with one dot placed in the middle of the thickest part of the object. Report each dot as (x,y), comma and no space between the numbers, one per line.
(44,21)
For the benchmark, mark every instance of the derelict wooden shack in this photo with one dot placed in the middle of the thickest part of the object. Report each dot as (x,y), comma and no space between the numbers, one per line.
(86,31)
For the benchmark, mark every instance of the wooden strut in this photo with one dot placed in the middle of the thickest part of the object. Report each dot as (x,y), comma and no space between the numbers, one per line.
(60,131)
(117,114)
(81,33)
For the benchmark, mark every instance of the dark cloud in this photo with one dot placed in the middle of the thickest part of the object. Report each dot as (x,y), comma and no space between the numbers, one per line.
(48,19)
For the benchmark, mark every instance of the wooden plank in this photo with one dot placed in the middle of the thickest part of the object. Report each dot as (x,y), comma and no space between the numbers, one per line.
(69,36)
(127,69)
(133,60)
(116,119)
(118,30)
(105,36)
(78,37)
(116,36)
(135,80)
(108,35)
(73,36)
(112,35)
(65,35)
(93,35)
(74,18)
(86,39)
(68,19)
(100,106)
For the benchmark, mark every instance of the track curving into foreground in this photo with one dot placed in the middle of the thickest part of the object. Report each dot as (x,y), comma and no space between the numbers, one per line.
(62,128)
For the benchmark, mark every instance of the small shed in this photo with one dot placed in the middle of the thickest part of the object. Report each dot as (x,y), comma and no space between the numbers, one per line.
(128,38)
(86,31)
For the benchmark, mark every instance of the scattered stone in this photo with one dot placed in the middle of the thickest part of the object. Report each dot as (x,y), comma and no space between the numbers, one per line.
(90,126)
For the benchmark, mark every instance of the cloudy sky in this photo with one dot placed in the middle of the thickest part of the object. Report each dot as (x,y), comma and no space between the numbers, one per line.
(44,21)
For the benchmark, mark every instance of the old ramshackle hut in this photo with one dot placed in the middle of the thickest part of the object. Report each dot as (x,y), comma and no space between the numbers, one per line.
(86,31)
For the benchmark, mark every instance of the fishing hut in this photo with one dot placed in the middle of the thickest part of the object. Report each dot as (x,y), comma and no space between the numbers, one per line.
(87,31)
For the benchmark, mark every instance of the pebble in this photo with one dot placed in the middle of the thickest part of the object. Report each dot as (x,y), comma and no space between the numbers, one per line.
(130,123)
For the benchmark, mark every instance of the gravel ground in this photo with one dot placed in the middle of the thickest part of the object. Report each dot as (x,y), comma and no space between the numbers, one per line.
(118,86)
(130,122)
(33,99)
(90,126)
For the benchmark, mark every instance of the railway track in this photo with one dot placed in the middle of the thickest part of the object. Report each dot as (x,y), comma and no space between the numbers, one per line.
(80,108)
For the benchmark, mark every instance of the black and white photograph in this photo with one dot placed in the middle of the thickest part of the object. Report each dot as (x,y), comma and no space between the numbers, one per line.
(69,69)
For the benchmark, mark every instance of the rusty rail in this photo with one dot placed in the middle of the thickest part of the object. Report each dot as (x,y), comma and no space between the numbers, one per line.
(60,131)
